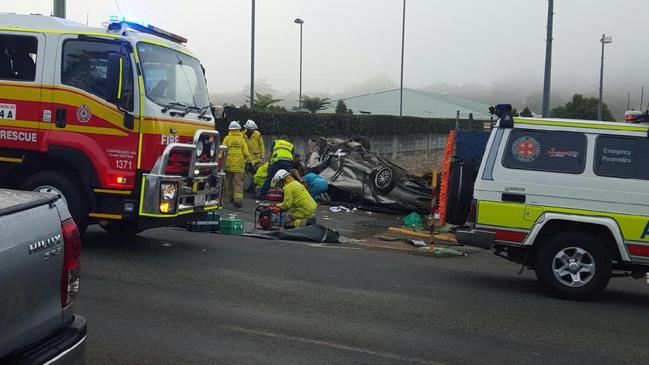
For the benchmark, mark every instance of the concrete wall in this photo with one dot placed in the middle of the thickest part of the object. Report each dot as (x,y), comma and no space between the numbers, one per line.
(417,153)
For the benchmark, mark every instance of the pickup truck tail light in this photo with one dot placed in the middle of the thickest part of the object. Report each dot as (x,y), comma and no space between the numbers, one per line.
(71,261)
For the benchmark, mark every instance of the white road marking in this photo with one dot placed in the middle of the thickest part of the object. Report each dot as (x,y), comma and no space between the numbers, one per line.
(387,355)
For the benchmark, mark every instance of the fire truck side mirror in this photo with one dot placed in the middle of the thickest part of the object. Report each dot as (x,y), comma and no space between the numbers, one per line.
(115,78)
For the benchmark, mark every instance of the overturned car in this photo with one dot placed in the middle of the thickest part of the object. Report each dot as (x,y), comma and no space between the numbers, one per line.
(362,177)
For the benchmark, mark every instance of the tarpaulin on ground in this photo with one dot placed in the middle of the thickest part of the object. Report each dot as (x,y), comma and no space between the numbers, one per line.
(314,233)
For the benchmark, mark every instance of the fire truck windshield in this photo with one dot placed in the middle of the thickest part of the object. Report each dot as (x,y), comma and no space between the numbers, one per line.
(172,77)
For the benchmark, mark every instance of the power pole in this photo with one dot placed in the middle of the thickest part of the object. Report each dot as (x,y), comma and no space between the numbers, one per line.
(403,38)
(641,98)
(600,104)
(628,100)
(548,61)
(58,8)
(252,58)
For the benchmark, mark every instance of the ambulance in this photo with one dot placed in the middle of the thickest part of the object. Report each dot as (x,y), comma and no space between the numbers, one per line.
(115,120)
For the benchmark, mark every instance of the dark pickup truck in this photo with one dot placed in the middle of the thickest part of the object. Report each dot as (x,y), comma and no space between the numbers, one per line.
(39,278)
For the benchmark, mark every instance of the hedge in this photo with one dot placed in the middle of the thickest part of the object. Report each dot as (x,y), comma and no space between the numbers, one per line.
(306,124)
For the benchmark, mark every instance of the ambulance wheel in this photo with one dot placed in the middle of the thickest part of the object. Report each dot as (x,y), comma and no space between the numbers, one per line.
(66,189)
(573,265)
(120,228)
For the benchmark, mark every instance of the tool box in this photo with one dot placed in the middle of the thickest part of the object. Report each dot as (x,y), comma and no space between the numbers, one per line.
(210,224)
(232,226)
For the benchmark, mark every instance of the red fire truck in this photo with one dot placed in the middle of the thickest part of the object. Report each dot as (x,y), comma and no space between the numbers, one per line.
(115,120)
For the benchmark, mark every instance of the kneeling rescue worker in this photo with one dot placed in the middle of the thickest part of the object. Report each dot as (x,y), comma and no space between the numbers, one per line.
(235,165)
(299,206)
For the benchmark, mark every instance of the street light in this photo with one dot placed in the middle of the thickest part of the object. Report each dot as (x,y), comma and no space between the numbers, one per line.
(300,22)
(548,61)
(604,40)
(252,56)
(403,38)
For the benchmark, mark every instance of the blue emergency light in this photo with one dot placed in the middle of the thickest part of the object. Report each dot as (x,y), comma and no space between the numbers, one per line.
(116,22)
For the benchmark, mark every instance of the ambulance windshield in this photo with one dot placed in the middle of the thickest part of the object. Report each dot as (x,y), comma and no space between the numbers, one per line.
(172,77)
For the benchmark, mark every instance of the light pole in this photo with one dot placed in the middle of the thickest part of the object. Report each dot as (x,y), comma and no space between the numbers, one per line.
(600,104)
(300,22)
(252,58)
(403,38)
(548,62)
(58,8)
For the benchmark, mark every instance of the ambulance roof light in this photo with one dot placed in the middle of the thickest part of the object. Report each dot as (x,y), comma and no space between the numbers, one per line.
(114,23)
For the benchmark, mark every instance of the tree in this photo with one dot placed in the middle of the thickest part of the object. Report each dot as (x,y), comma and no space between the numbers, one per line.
(581,108)
(315,104)
(526,113)
(264,101)
(341,107)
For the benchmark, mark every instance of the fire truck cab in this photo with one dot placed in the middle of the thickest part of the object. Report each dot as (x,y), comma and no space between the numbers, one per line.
(116,120)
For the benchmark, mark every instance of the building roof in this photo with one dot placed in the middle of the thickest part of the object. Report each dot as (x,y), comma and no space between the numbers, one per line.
(416,103)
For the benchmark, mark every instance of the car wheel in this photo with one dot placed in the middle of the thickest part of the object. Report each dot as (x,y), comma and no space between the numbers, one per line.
(460,191)
(573,265)
(383,179)
(120,228)
(66,188)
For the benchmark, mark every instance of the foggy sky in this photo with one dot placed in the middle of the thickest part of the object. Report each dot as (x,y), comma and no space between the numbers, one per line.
(350,41)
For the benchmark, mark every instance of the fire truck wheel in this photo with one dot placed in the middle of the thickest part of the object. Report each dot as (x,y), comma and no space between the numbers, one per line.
(120,228)
(66,188)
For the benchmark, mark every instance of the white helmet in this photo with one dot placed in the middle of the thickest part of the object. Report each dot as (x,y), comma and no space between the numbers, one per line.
(279,175)
(250,124)
(234,125)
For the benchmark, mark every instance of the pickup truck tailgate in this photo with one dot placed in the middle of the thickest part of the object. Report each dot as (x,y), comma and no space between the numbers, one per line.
(31,263)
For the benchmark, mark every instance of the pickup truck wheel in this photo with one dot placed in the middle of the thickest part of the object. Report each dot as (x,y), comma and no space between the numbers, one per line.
(120,228)
(573,265)
(66,188)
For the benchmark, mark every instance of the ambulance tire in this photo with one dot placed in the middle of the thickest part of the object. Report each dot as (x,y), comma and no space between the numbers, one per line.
(554,257)
(460,191)
(61,184)
(120,228)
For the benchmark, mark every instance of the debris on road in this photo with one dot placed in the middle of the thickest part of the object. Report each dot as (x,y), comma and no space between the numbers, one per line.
(387,238)
(413,220)
(340,208)
(411,232)
(442,252)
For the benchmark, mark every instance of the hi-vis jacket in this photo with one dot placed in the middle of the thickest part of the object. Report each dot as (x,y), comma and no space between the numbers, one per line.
(238,153)
(298,202)
(255,146)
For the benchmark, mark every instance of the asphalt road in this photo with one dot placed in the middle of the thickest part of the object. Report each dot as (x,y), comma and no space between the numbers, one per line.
(174,297)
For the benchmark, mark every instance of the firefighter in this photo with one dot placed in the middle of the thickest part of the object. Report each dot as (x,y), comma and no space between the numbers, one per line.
(257,152)
(260,175)
(235,165)
(255,142)
(281,158)
(299,206)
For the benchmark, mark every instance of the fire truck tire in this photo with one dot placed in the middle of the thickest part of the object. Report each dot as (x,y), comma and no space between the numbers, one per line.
(66,188)
(120,228)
